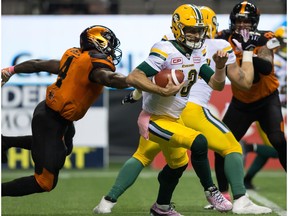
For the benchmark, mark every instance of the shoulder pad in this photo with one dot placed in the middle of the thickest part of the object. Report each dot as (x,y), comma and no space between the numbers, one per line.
(95,54)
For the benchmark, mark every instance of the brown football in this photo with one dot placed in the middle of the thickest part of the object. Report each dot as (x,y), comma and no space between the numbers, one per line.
(161,79)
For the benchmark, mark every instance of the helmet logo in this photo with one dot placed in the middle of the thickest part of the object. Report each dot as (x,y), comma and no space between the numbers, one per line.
(176,17)
(214,20)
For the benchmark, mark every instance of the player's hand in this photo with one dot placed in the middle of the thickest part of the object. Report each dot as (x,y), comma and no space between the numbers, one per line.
(171,88)
(220,58)
(244,42)
(6,73)
(128,99)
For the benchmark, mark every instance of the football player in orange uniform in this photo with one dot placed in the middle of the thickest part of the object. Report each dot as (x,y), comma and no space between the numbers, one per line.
(261,103)
(82,74)
(265,151)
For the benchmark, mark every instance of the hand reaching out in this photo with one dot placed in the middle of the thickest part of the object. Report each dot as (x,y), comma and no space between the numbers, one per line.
(6,73)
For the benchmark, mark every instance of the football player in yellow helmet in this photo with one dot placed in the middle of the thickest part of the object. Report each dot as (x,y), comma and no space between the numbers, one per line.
(187,20)
(218,141)
(189,32)
(210,20)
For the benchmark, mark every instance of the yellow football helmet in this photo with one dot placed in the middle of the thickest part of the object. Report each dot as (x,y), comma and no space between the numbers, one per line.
(188,18)
(210,20)
(281,35)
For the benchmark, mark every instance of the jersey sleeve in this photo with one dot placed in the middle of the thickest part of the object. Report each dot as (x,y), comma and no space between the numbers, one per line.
(231,54)
(155,61)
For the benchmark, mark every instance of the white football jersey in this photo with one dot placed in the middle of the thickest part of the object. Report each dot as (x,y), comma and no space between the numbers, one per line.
(168,55)
(280,68)
(201,92)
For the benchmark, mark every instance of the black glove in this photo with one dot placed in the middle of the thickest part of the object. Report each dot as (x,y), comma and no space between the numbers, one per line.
(128,99)
(254,39)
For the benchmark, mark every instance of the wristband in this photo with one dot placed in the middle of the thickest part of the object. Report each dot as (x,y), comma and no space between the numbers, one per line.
(11,70)
(247,56)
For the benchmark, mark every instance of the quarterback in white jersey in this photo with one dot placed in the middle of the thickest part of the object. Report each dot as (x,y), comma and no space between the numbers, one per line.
(165,55)
(164,124)
(147,150)
(219,137)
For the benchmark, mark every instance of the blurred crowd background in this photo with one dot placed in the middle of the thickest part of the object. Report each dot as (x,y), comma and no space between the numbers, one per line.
(46,7)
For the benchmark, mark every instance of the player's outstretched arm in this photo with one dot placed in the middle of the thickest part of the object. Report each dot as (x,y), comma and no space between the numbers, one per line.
(242,77)
(30,66)
(108,78)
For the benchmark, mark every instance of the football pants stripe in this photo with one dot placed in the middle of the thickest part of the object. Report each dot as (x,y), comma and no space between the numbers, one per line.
(160,132)
(220,125)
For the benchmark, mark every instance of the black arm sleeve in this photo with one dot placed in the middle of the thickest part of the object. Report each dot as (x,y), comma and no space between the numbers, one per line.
(262,66)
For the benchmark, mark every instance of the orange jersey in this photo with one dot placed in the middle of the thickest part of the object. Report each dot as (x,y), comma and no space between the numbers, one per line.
(266,85)
(73,93)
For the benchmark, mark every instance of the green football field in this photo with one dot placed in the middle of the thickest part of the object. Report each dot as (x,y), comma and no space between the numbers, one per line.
(78,191)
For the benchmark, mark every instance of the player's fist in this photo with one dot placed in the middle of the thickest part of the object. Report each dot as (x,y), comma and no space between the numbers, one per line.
(220,58)
(6,73)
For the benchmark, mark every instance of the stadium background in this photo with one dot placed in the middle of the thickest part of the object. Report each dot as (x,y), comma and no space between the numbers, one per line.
(45,29)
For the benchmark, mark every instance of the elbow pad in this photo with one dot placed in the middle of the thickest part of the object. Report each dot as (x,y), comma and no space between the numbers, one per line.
(262,66)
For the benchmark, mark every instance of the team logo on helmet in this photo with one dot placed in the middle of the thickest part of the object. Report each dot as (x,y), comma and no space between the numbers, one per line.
(187,20)
(102,39)
(176,17)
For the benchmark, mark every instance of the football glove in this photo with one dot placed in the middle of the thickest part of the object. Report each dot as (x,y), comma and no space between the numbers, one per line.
(6,73)
(248,43)
(128,99)
(132,97)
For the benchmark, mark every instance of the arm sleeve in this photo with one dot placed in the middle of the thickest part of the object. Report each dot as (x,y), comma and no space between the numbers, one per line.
(262,66)
(206,72)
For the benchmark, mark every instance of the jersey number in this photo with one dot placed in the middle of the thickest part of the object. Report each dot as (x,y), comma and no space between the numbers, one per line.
(63,71)
(192,77)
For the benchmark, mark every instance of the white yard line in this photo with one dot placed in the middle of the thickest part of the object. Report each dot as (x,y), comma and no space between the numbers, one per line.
(275,208)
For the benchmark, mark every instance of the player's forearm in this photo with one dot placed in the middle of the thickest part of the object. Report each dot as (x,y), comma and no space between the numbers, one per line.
(118,81)
(217,80)
(138,80)
(248,74)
